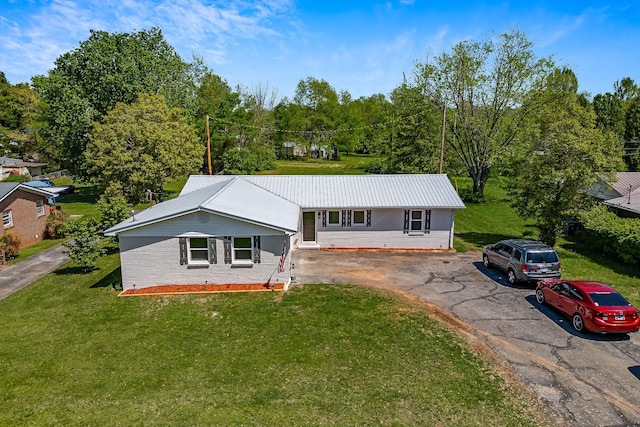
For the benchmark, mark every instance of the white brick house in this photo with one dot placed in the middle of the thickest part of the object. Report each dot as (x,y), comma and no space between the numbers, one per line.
(241,229)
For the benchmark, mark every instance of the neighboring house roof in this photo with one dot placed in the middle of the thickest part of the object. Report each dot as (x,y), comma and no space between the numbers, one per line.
(624,183)
(6,188)
(350,191)
(231,197)
(630,202)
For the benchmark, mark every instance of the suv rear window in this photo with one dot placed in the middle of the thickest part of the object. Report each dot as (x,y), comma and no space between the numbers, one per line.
(542,257)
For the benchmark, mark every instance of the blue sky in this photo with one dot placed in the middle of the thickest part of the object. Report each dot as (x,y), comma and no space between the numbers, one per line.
(360,46)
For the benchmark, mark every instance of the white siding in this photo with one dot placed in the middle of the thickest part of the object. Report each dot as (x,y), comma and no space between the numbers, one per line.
(386,231)
(155,261)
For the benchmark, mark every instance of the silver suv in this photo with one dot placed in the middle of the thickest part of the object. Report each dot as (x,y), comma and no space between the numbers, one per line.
(523,260)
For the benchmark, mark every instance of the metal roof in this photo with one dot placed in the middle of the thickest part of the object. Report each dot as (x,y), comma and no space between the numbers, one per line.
(349,191)
(229,196)
(7,188)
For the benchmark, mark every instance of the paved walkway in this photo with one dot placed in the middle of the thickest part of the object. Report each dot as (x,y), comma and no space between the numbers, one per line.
(17,276)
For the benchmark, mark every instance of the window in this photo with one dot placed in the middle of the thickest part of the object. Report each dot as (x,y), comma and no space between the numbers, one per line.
(358,217)
(7,219)
(334,217)
(242,249)
(198,250)
(39,207)
(416,221)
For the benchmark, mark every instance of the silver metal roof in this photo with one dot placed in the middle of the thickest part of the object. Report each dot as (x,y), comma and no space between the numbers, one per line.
(349,191)
(231,197)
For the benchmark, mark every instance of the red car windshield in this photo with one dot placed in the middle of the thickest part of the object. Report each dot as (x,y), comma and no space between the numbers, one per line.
(608,299)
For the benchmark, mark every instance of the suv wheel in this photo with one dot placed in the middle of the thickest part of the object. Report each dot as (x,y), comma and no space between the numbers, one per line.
(485,261)
(511,277)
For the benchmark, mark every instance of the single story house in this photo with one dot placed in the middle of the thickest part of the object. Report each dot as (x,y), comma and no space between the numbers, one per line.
(9,166)
(24,211)
(621,195)
(241,229)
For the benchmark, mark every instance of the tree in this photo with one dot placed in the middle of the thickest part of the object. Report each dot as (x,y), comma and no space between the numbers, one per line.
(85,245)
(104,70)
(19,112)
(485,86)
(113,206)
(562,152)
(141,145)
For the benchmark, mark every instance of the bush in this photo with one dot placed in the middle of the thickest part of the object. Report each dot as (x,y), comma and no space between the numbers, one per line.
(85,246)
(9,246)
(56,224)
(615,236)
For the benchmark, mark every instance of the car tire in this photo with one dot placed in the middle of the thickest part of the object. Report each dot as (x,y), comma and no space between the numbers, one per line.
(511,277)
(485,261)
(540,296)
(578,322)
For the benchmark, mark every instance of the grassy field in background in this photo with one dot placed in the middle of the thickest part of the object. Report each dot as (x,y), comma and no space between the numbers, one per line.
(74,353)
(349,164)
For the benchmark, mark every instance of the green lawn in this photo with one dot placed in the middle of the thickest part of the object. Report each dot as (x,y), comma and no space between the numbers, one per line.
(483,223)
(349,164)
(73,353)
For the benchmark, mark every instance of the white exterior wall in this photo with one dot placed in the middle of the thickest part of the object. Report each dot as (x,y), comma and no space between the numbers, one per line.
(386,232)
(154,260)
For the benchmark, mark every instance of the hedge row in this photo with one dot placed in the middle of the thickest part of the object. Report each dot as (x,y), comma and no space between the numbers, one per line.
(615,236)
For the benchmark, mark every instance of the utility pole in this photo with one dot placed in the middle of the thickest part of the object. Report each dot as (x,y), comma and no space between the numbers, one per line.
(208,148)
(444,118)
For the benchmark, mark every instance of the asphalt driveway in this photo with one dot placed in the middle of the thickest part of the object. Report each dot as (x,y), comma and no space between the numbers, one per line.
(591,380)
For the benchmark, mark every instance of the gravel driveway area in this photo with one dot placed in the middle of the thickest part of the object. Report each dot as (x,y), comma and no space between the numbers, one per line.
(590,379)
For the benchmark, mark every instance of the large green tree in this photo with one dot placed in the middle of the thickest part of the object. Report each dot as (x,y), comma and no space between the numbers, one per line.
(485,86)
(561,153)
(137,147)
(104,70)
(19,112)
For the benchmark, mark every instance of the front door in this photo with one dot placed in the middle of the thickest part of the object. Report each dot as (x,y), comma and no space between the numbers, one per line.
(308,226)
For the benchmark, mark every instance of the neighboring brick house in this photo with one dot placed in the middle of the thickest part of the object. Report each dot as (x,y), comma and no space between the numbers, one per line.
(24,211)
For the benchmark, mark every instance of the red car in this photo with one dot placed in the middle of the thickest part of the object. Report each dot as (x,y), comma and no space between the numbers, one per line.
(590,305)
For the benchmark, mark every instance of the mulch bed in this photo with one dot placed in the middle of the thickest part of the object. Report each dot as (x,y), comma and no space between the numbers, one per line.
(203,289)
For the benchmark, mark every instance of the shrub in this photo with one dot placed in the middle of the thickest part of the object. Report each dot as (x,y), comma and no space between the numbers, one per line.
(615,236)
(56,224)
(9,246)
(85,246)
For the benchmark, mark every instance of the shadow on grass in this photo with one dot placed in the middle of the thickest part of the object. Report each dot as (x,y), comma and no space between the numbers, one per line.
(565,323)
(111,280)
(72,270)
(87,194)
(600,258)
(481,239)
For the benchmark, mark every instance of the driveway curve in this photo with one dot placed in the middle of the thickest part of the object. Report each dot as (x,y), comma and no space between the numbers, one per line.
(591,380)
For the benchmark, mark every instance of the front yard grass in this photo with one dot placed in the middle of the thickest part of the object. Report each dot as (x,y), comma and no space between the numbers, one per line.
(74,353)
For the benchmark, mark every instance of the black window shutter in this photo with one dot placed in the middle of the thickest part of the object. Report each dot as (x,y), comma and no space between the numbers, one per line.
(344,218)
(256,249)
(213,254)
(406,221)
(183,250)
(324,218)
(227,249)
(368,217)
(348,218)
(427,220)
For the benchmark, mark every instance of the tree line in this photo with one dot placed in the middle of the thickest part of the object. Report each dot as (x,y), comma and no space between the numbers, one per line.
(125,111)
